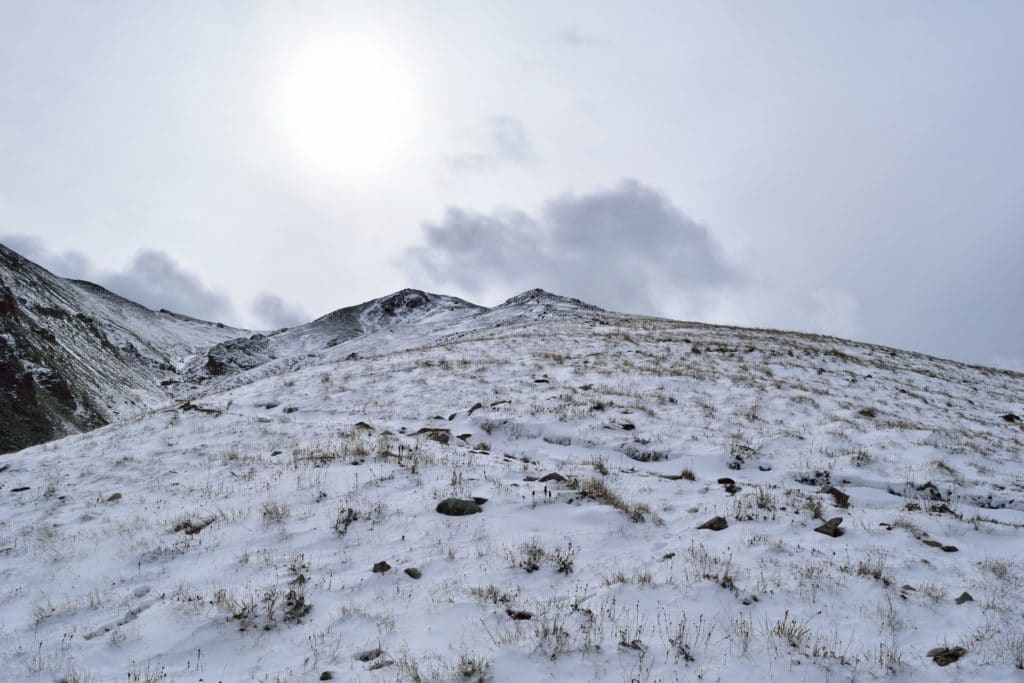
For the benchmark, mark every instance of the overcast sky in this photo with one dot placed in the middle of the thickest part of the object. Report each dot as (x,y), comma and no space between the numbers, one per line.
(850,168)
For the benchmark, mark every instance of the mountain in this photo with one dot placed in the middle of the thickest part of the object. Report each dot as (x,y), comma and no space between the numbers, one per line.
(74,356)
(645,499)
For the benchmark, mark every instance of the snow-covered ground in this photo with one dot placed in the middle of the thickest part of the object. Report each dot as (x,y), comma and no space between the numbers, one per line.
(235,537)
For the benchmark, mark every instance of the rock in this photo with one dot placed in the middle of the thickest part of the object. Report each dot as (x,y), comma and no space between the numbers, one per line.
(326,676)
(628,426)
(908,588)
(369,655)
(479,500)
(726,481)
(964,597)
(831,527)
(1010,417)
(456,507)
(365,426)
(114,497)
(518,615)
(381,567)
(19,489)
(715,524)
(476,406)
(841,499)
(552,476)
(931,543)
(414,573)
(943,656)
(949,549)
(765,468)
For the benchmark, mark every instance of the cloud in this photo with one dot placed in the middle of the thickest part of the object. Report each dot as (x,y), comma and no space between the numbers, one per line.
(626,248)
(152,279)
(503,141)
(155,280)
(275,312)
(574,37)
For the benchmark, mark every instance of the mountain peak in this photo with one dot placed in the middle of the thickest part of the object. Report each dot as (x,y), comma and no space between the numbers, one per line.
(533,297)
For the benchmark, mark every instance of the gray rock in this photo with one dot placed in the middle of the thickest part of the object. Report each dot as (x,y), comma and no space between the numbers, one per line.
(715,524)
(552,476)
(841,499)
(964,597)
(456,507)
(381,567)
(414,573)
(831,527)
(943,656)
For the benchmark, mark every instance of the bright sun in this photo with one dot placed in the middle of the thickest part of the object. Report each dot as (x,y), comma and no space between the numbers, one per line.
(346,107)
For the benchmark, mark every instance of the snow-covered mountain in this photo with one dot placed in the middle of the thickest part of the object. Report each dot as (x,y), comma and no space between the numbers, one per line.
(645,500)
(74,355)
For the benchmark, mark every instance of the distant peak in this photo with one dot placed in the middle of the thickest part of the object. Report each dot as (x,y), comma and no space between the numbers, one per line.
(544,297)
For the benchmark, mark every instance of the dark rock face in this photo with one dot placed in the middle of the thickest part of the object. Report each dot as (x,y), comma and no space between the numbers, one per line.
(456,507)
(237,355)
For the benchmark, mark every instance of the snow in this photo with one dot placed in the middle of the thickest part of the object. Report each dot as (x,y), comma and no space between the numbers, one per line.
(291,496)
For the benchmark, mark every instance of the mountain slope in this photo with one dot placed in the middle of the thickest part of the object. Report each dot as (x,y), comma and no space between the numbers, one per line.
(74,355)
(241,536)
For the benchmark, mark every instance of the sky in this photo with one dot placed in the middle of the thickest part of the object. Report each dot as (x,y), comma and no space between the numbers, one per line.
(849,168)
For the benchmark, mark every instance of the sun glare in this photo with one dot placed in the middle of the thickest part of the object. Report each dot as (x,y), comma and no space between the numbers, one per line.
(346,106)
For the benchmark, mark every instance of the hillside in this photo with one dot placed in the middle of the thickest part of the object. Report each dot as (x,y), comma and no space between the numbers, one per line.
(74,356)
(283,524)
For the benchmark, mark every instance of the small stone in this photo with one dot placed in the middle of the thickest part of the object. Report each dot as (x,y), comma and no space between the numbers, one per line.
(908,587)
(831,527)
(326,676)
(943,656)
(414,573)
(1010,417)
(931,542)
(519,615)
(765,468)
(114,497)
(964,597)
(479,500)
(726,481)
(715,524)
(19,489)
(949,549)
(381,567)
(456,507)
(552,476)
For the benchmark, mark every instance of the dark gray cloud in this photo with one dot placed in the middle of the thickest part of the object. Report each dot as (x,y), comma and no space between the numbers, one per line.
(152,279)
(503,141)
(626,248)
(275,312)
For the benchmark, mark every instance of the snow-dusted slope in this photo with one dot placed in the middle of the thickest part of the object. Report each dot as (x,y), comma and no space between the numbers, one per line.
(74,355)
(235,537)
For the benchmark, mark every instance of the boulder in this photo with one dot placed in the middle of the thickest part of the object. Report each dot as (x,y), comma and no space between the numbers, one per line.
(831,527)
(715,524)
(457,507)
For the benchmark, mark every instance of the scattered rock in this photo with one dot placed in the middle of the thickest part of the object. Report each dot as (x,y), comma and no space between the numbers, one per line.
(726,481)
(456,507)
(1010,417)
(730,485)
(949,549)
(381,567)
(464,437)
(541,381)
(908,588)
(476,406)
(831,527)
(435,434)
(191,528)
(628,426)
(552,476)
(274,454)
(369,655)
(519,615)
(326,676)
(715,524)
(765,468)
(931,543)
(943,656)
(964,597)
(479,500)
(414,573)
(290,409)
(530,477)
(114,497)
(364,426)
(19,489)
(841,499)
(3,468)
